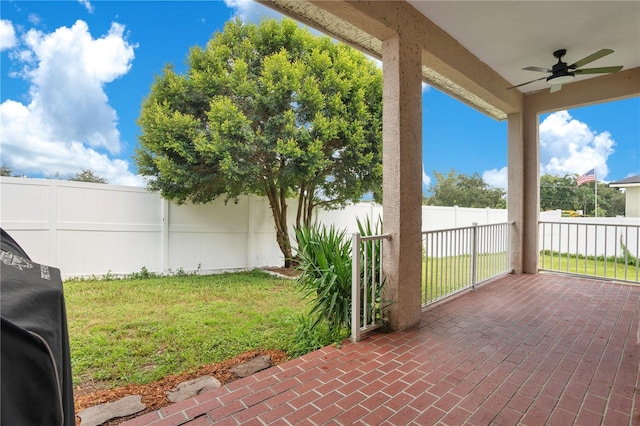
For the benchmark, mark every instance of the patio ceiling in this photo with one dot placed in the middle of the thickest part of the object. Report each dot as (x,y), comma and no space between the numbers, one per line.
(474,50)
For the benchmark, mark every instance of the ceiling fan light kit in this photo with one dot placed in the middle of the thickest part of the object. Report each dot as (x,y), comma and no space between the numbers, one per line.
(561,78)
(562,73)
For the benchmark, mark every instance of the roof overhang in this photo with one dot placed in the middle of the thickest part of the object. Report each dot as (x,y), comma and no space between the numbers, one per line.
(447,64)
(624,185)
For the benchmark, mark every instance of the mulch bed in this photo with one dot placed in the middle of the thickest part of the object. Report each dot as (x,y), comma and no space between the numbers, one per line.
(153,394)
(286,272)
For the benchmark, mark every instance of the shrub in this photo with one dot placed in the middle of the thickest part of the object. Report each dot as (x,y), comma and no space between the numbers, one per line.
(376,306)
(325,264)
(308,338)
(627,257)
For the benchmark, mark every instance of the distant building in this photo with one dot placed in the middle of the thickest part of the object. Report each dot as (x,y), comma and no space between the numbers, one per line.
(631,194)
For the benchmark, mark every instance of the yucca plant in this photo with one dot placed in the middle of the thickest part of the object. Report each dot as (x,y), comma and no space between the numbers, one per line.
(324,255)
(370,255)
(325,264)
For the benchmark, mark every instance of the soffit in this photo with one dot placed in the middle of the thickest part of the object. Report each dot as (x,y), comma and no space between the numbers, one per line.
(511,35)
(502,37)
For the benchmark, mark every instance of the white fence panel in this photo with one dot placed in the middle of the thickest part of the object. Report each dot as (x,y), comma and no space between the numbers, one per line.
(212,236)
(587,236)
(347,218)
(25,211)
(438,217)
(94,229)
(84,228)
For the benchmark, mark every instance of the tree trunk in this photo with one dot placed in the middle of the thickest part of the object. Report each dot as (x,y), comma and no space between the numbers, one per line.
(301,203)
(305,207)
(278,204)
(309,208)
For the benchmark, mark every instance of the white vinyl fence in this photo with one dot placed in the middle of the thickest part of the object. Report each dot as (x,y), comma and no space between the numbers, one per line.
(93,229)
(588,236)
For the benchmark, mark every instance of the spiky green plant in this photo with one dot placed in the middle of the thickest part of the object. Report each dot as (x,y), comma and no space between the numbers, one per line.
(370,255)
(325,264)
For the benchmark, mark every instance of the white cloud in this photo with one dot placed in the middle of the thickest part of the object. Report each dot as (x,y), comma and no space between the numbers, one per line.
(87,5)
(68,119)
(8,39)
(34,19)
(567,146)
(426,180)
(251,11)
(496,178)
(570,146)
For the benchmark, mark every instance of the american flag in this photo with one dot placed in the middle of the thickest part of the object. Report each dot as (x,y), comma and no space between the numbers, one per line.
(590,176)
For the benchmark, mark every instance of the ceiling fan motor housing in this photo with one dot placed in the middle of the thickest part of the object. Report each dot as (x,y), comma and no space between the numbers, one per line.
(560,71)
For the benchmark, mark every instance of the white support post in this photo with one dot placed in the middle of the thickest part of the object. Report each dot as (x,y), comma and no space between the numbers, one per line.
(474,255)
(355,287)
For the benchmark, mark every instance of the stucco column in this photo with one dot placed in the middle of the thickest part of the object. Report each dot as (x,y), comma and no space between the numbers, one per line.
(402,178)
(515,189)
(530,191)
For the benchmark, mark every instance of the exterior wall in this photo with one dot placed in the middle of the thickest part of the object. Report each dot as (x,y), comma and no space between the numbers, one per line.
(632,201)
(92,229)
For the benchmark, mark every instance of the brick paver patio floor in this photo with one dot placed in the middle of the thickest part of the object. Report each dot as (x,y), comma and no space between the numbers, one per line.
(522,350)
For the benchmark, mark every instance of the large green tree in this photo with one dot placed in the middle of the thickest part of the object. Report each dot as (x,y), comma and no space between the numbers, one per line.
(559,192)
(462,190)
(563,193)
(270,110)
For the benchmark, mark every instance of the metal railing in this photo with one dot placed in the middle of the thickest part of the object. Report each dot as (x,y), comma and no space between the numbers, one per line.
(366,284)
(608,251)
(457,259)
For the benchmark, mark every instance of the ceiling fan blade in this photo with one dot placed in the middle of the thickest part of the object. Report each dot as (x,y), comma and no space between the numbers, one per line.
(555,88)
(584,61)
(601,70)
(539,69)
(523,84)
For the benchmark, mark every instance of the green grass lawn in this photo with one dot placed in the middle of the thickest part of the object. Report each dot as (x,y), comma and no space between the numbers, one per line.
(589,266)
(447,275)
(140,330)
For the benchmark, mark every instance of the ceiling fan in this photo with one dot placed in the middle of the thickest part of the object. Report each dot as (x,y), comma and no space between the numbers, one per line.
(562,73)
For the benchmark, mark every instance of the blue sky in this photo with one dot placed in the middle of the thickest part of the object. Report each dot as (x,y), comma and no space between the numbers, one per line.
(74,74)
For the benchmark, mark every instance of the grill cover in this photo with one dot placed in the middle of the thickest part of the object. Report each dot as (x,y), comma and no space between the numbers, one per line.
(35,364)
